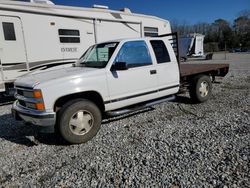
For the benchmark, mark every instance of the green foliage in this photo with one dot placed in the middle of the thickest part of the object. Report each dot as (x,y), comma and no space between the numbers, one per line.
(211,47)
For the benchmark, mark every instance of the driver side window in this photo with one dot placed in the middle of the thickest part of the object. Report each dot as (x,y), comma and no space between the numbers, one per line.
(134,54)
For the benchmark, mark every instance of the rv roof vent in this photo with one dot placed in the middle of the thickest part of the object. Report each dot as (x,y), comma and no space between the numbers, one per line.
(100,7)
(127,10)
(42,2)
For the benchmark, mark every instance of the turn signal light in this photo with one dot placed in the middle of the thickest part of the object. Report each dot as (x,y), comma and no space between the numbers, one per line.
(40,106)
(37,94)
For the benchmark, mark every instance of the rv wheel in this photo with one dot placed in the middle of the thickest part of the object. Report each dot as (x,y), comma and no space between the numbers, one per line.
(79,121)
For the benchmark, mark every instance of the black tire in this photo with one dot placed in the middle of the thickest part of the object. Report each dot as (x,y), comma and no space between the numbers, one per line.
(74,124)
(200,88)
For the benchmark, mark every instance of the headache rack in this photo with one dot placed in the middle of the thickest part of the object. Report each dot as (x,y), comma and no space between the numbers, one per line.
(191,69)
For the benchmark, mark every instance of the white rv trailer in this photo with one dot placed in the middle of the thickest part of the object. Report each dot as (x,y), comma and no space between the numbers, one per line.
(192,45)
(37,36)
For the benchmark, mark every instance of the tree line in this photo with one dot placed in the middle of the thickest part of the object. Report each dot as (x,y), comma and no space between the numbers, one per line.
(221,34)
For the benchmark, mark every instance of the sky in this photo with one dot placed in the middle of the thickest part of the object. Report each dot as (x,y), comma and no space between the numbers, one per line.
(188,11)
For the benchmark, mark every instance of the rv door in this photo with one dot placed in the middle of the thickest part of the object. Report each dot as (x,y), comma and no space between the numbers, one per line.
(12,50)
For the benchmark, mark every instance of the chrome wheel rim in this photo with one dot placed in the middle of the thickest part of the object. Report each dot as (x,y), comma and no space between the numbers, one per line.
(204,89)
(81,122)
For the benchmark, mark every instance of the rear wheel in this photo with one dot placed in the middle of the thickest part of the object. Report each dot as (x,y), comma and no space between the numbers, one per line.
(79,121)
(201,88)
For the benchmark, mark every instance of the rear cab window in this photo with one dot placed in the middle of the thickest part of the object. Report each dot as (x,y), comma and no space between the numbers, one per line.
(160,51)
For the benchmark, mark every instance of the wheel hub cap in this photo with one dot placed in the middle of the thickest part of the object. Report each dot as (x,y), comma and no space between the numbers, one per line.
(81,122)
(204,88)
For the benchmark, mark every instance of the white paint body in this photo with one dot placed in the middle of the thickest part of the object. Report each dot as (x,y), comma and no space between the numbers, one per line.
(121,84)
(37,42)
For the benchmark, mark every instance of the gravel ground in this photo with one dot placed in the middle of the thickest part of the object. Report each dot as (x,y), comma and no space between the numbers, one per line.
(175,144)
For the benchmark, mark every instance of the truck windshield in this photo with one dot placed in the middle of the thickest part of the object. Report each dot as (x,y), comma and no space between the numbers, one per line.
(97,56)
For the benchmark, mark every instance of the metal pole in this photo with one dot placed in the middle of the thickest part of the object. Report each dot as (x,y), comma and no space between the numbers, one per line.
(141,28)
(95,30)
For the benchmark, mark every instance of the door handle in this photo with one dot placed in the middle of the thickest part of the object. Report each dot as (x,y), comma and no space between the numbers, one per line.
(153,71)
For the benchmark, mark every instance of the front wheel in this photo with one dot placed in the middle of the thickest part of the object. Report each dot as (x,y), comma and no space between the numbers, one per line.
(79,121)
(200,88)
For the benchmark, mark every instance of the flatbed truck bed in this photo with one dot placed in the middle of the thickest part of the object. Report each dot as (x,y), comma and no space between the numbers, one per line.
(190,72)
(187,70)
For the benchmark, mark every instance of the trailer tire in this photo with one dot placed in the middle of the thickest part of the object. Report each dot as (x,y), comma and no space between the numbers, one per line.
(200,88)
(79,121)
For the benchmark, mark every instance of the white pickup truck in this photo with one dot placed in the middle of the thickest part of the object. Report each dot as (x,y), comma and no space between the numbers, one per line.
(111,78)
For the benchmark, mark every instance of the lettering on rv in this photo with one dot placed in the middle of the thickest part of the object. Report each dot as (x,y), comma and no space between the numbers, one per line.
(68,49)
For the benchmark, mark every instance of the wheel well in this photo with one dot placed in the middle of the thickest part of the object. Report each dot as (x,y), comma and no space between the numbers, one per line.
(90,95)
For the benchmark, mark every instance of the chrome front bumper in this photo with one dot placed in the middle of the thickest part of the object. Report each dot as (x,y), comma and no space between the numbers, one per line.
(34,117)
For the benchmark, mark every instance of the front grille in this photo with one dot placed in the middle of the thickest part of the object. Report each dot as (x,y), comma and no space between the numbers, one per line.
(22,103)
(24,92)
(19,92)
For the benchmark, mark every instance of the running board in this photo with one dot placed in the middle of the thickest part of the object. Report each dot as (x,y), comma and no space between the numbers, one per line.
(139,107)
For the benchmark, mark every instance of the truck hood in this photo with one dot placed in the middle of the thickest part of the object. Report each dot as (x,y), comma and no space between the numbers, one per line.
(33,79)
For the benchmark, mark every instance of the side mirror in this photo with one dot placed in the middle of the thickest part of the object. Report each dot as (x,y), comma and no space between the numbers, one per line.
(119,66)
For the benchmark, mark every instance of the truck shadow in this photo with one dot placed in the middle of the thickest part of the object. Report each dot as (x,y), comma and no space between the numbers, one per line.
(183,100)
(28,135)
(108,120)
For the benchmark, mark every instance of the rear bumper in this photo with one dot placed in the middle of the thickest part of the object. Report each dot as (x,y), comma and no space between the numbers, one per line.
(43,119)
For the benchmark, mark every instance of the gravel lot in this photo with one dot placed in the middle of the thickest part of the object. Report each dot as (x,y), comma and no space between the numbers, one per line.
(175,144)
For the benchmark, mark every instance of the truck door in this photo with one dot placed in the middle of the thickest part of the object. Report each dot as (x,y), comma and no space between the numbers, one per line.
(12,49)
(167,68)
(136,84)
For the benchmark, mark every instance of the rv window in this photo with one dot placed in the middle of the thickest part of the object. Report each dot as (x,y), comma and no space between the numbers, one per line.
(69,36)
(69,32)
(70,39)
(150,31)
(160,50)
(9,31)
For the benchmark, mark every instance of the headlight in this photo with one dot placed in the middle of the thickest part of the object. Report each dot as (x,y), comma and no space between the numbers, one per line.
(36,94)
(28,94)
(36,106)
(32,94)
(30,105)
